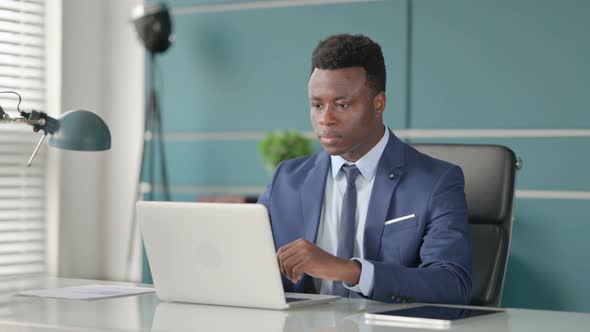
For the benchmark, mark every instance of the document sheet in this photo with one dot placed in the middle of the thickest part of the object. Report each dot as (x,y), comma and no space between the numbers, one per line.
(88,292)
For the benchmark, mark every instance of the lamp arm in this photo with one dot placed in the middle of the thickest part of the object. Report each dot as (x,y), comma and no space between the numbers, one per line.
(36,122)
(39,121)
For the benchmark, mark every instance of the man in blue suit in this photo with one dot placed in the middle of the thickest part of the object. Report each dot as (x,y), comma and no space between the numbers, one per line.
(369,215)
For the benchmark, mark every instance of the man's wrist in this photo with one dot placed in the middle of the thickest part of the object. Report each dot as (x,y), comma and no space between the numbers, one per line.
(351,272)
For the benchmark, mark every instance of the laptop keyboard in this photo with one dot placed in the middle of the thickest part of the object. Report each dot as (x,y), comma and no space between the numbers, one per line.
(294,299)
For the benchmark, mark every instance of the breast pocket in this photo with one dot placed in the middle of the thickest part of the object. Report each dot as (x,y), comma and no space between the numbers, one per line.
(399,242)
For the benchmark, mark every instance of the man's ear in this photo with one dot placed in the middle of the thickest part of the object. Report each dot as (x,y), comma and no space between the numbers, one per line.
(379,102)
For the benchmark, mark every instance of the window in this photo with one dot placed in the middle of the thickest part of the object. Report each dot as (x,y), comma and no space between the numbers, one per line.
(22,189)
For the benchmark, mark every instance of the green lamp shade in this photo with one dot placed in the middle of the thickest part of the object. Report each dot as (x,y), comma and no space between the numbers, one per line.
(81,131)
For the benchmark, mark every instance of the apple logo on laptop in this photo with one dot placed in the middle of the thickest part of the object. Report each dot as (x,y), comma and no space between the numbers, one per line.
(208,255)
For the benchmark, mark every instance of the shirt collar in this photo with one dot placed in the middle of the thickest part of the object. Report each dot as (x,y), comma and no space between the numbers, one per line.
(367,165)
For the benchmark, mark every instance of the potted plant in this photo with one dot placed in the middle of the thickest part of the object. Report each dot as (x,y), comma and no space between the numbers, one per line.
(283,145)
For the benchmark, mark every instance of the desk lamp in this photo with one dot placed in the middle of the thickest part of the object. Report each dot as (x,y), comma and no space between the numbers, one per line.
(74,130)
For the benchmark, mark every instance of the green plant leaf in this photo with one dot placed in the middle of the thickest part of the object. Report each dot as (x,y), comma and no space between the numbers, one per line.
(283,145)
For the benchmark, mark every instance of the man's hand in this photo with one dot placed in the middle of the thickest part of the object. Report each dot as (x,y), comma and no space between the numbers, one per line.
(302,256)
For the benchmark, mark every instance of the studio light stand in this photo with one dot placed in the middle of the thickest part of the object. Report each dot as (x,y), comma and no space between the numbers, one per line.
(154,28)
(152,140)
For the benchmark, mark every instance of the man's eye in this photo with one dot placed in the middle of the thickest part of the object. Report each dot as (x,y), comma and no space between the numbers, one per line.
(316,106)
(343,105)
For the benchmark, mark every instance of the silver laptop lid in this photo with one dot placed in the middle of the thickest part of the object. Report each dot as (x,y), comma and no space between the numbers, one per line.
(211,253)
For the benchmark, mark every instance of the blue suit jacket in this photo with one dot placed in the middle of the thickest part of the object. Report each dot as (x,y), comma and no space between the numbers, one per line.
(423,259)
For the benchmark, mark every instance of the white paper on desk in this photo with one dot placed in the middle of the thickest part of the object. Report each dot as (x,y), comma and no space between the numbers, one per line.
(88,292)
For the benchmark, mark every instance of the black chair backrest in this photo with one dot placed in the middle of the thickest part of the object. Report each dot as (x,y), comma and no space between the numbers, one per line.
(490,172)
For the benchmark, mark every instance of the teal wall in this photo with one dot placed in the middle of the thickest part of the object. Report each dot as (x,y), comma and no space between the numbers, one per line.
(452,64)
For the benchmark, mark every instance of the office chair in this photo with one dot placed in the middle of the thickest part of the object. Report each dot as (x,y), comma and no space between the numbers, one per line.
(490,172)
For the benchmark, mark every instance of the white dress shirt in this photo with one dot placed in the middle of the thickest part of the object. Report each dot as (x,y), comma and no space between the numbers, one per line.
(327,238)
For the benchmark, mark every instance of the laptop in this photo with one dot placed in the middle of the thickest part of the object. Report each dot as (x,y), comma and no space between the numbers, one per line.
(215,253)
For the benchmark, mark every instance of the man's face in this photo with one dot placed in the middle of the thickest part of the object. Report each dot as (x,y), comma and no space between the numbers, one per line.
(346,117)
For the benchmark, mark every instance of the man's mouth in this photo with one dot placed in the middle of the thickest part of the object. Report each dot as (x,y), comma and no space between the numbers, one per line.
(329,138)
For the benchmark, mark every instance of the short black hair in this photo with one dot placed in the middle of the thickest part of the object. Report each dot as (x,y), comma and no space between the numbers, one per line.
(344,50)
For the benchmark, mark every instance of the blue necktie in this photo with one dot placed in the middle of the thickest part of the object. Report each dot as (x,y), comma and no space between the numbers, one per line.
(347,225)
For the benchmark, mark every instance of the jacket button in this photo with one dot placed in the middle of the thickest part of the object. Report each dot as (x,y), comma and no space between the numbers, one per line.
(406,299)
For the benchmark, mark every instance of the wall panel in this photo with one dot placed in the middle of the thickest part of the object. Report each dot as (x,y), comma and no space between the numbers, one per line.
(500,64)
(248,69)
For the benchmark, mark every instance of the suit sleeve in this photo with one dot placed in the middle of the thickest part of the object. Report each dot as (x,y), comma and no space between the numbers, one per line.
(444,272)
(266,199)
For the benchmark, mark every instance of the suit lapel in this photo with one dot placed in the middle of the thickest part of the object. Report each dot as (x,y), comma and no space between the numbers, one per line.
(389,172)
(312,196)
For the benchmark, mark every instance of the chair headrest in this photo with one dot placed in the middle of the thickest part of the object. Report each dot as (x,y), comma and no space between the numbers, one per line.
(489,171)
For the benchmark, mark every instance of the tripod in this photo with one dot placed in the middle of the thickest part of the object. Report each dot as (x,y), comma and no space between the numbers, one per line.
(152,140)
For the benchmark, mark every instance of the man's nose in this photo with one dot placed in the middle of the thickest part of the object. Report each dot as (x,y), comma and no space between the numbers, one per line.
(328,117)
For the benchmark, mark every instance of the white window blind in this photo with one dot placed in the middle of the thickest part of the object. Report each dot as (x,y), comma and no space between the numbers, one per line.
(22,189)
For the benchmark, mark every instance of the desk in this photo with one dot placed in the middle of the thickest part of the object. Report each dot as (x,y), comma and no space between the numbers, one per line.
(146,313)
